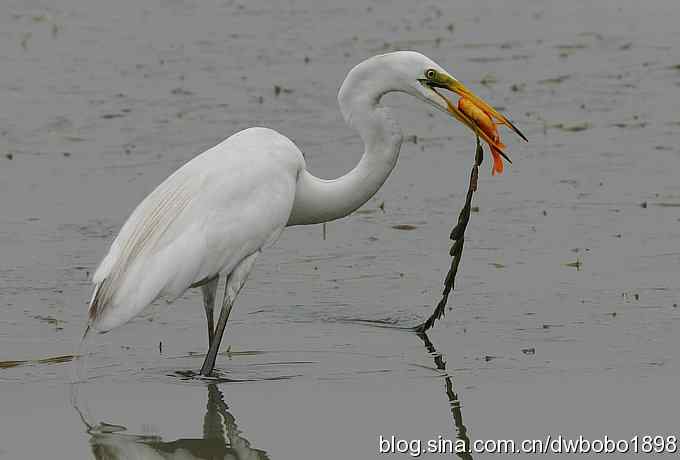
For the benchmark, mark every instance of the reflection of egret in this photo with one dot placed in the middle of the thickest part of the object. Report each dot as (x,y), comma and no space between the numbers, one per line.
(213,216)
(221,440)
(454,402)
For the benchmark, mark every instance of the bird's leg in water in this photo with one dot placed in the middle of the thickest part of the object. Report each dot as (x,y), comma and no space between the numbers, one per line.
(235,281)
(209,289)
(227,303)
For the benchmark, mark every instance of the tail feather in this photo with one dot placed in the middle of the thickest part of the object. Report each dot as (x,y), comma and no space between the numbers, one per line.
(95,303)
(497,162)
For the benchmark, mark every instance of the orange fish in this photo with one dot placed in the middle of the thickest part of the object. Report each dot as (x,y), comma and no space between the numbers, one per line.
(485,123)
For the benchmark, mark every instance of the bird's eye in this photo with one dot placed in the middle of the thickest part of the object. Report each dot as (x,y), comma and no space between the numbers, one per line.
(430,74)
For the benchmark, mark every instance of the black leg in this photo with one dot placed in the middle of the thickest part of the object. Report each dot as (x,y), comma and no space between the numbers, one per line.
(209,289)
(209,362)
(234,282)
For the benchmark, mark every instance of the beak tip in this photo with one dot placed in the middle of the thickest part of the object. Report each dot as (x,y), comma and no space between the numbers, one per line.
(516,130)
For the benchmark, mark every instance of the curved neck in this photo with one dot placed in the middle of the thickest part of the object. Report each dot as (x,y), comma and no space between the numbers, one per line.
(319,200)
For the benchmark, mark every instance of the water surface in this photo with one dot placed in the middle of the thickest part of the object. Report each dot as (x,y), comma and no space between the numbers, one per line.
(566,302)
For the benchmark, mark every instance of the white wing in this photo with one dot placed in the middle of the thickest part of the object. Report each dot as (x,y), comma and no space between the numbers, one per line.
(217,209)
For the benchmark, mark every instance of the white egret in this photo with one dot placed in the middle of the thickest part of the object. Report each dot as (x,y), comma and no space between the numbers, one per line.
(214,215)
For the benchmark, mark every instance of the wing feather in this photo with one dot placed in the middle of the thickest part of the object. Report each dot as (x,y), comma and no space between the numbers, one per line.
(223,205)
(141,234)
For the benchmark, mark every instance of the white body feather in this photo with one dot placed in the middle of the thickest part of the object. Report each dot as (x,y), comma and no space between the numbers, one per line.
(220,207)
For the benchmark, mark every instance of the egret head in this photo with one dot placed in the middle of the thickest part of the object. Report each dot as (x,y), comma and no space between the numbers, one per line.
(416,74)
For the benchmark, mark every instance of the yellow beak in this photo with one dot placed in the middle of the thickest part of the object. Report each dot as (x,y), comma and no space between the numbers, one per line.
(457,87)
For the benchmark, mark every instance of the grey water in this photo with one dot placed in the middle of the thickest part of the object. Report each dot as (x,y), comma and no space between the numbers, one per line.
(565,315)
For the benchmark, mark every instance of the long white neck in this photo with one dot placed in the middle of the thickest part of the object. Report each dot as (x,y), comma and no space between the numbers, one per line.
(319,200)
